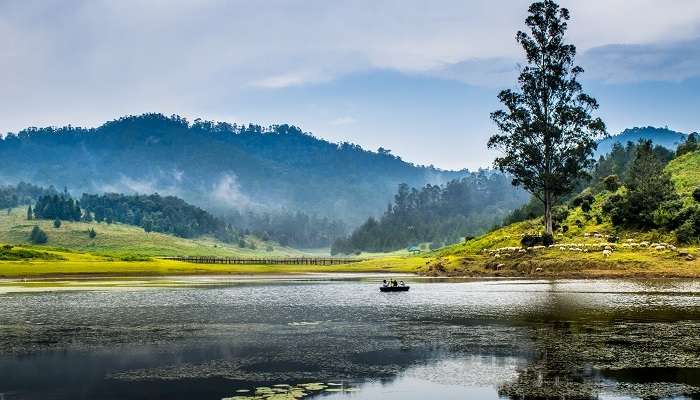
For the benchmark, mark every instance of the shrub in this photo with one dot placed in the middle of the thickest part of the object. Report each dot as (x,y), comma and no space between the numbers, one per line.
(559,214)
(586,197)
(686,232)
(547,239)
(615,207)
(57,223)
(611,183)
(91,233)
(696,194)
(38,236)
(598,219)
(565,228)
(537,240)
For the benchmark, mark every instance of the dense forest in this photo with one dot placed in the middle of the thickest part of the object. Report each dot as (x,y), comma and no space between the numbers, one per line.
(295,229)
(166,214)
(215,165)
(609,170)
(439,214)
(57,207)
(639,193)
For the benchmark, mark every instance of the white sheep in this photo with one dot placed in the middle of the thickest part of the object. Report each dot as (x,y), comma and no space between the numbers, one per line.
(607,253)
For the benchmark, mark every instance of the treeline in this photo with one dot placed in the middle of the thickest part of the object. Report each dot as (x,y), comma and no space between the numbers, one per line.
(439,214)
(295,229)
(276,167)
(61,207)
(165,214)
(22,194)
(641,194)
(648,199)
(611,170)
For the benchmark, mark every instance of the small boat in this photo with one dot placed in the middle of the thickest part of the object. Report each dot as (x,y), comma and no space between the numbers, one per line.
(394,288)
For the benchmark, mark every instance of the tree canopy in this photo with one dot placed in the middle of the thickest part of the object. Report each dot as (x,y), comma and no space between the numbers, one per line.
(547,134)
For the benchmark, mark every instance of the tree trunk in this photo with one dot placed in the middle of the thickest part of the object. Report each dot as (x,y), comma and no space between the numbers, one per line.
(548,213)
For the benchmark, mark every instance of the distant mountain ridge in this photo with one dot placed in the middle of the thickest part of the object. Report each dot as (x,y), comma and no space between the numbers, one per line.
(662,136)
(215,165)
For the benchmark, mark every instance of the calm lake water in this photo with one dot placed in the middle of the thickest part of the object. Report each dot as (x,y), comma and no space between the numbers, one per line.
(209,338)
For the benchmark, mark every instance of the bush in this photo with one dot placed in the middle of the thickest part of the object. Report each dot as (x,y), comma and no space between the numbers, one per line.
(696,194)
(615,207)
(565,228)
(537,240)
(586,197)
(38,236)
(686,232)
(559,214)
(598,219)
(57,223)
(611,183)
(91,233)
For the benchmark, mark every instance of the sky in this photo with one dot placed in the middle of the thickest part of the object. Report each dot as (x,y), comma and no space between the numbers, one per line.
(417,77)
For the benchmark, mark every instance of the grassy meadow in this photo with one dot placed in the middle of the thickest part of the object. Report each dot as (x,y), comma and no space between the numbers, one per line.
(124,241)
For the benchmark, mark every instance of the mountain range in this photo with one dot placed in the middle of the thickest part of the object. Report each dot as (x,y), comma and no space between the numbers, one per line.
(224,167)
(218,166)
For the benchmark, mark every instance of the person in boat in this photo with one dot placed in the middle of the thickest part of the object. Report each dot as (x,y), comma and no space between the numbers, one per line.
(385,283)
(394,283)
(401,283)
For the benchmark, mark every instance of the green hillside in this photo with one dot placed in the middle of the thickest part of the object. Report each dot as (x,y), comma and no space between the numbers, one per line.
(685,173)
(121,240)
(580,247)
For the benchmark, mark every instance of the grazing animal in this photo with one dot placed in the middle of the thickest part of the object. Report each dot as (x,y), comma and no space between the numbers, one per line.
(607,253)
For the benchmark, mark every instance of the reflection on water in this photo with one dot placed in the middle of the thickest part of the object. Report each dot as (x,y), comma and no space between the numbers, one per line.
(213,339)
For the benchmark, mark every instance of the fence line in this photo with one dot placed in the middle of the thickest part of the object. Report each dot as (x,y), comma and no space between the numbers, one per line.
(266,261)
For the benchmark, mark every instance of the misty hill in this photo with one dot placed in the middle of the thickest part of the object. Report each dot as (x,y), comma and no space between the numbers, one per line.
(659,136)
(218,166)
(436,214)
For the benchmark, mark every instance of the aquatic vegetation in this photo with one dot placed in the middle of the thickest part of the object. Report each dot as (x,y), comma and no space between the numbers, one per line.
(288,392)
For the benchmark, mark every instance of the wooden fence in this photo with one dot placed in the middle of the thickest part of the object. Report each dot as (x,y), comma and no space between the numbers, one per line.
(267,261)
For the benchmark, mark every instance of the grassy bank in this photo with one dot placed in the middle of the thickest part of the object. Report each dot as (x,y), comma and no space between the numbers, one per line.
(120,240)
(46,262)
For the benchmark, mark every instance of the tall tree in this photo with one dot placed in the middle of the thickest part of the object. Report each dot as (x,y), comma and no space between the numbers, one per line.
(547,134)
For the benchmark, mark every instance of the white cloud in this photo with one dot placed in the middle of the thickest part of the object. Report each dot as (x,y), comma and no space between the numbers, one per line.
(84,61)
(343,121)
(227,192)
(623,63)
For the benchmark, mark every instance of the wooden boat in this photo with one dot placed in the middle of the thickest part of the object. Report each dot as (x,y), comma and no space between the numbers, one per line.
(394,288)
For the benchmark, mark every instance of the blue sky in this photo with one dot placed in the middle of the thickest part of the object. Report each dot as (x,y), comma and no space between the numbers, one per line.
(417,77)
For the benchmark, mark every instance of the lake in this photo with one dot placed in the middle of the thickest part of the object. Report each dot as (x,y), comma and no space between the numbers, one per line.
(338,337)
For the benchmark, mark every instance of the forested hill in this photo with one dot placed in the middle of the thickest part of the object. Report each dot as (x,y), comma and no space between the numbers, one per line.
(438,214)
(218,166)
(659,136)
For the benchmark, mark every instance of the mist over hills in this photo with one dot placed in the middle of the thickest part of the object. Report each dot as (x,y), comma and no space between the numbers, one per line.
(665,137)
(215,165)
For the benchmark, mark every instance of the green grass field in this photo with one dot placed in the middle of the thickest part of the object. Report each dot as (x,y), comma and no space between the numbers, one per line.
(120,240)
(685,173)
(65,263)
(479,255)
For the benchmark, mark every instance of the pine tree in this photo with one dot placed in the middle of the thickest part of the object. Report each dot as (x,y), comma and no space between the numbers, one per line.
(30,214)
(546,131)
